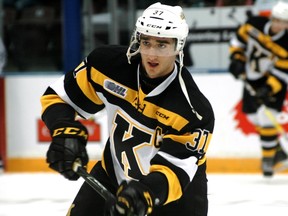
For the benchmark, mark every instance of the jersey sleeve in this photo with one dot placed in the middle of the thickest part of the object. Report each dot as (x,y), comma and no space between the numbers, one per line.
(237,44)
(262,47)
(239,41)
(279,67)
(75,89)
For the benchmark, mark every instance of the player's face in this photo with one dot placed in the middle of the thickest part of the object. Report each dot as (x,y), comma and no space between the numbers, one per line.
(158,55)
(278,25)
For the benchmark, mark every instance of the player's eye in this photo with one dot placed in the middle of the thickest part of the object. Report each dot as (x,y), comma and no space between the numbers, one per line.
(145,43)
(162,46)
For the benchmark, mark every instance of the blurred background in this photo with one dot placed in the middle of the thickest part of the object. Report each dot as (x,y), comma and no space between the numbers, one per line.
(54,35)
(44,39)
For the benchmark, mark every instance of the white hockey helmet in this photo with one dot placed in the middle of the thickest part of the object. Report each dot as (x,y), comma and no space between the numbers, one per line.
(280,11)
(161,20)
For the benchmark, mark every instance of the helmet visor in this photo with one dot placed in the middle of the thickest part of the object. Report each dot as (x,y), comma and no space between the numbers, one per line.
(157,46)
(279,23)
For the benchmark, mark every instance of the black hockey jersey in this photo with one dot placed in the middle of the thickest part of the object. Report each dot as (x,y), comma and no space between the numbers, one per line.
(261,51)
(156,132)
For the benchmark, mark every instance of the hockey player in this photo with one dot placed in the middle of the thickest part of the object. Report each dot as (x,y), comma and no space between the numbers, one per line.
(160,124)
(259,55)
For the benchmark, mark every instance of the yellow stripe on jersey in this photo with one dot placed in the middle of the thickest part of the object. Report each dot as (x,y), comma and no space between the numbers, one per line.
(236,49)
(174,191)
(282,63)
(269,153)
(248,30)
(86,87)
(202,160)
(82,64)
(238,53)
(164,116)
(243,31)
(273,47)
(240,57)
(274,83)
(48,100)
(267,131)
(151,110)
(103,163)
(100,78)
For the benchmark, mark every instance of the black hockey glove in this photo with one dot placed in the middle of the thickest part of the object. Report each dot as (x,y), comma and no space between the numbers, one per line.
(68,144)
(133,199)
(237,68)
(265,93)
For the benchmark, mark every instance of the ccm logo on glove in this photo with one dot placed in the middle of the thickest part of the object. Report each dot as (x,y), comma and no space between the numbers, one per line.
(70,131)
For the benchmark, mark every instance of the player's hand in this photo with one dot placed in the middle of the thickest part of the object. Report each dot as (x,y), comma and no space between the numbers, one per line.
(264,91)
(68,144)
(132,199)
(264,94)
(237,68)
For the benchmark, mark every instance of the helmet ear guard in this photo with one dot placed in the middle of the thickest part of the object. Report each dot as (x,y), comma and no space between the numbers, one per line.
(160,20)
(133,48)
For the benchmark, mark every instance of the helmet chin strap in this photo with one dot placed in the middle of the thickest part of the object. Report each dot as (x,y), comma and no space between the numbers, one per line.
(181,56)
(183,86)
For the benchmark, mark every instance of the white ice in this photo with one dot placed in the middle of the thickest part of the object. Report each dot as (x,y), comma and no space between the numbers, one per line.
(48,194)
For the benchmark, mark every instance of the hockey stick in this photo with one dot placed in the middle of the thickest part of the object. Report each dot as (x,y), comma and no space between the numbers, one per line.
(94,183)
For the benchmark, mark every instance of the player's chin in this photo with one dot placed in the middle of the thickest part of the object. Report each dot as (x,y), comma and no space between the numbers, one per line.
(152,73)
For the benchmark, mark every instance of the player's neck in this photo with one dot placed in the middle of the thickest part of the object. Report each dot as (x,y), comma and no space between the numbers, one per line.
(147,83)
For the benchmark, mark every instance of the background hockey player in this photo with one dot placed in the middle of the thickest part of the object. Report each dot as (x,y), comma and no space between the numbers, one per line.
(160,124)
(259,55)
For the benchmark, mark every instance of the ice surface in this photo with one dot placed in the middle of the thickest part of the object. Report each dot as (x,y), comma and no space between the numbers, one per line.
(36,194)
(248,195)
(49,194)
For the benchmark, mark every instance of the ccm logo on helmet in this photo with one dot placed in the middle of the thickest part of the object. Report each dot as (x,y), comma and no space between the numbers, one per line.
(154,26)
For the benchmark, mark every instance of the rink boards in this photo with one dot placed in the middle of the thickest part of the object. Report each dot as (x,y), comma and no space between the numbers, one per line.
(234,147)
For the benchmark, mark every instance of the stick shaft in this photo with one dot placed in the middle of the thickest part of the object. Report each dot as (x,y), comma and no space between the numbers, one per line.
(94,183)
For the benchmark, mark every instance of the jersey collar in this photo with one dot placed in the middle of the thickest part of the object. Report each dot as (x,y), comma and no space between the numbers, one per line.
(162,86)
